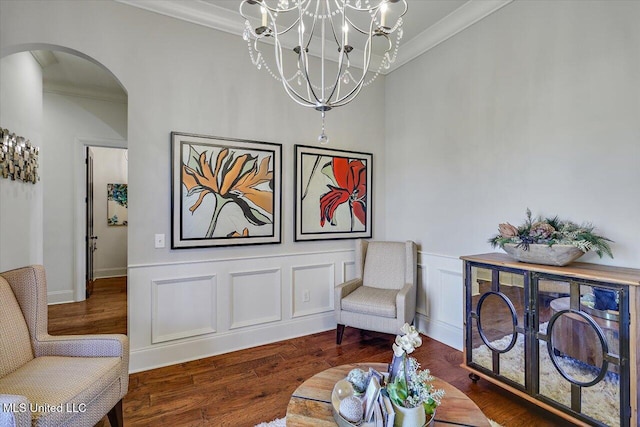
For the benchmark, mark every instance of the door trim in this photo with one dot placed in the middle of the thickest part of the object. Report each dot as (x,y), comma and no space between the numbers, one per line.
(79,177)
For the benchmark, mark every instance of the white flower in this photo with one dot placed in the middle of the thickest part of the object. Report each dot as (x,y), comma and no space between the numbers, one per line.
(407,342)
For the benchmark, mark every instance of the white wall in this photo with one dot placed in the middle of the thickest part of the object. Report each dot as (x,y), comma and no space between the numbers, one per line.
(536,106)
(70,123)
(21,202)
(109,167)
(185,304)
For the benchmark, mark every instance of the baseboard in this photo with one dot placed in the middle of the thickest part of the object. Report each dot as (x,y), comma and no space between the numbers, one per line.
(105,273)
(157,356)
(439,331)
(60,297)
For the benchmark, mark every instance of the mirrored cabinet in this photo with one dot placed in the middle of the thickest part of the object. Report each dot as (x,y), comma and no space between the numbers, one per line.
(563,338)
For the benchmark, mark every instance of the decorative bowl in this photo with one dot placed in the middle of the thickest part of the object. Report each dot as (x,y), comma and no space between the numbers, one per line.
(544,254)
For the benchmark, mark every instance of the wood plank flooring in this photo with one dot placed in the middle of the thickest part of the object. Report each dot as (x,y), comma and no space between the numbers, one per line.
(246,387)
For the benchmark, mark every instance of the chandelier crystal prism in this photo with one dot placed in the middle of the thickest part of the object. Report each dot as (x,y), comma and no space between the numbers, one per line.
(323,51)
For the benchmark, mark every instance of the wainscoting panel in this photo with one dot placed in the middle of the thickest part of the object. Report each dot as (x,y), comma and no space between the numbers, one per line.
(312,289)
(188,310)
(451,291)
(440,298)
(421,299)
(348,271)
(183,307)
(255,297)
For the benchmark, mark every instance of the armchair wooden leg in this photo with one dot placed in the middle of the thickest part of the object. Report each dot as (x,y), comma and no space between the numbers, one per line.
(339,333)
(115,415)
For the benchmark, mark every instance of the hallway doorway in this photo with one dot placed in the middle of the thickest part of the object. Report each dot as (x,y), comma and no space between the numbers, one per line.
(106,205)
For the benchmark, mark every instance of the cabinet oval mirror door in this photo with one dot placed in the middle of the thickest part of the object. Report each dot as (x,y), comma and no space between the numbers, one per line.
(497,321)
(577,347)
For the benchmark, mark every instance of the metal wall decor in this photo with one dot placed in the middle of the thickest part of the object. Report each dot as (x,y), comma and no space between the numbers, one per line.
(18,158)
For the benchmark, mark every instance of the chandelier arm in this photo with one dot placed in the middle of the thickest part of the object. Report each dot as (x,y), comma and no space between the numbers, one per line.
(333,28)
(323,42)
(293,94)
(341,65)
(310,88)
(358,86)
(313,25)
(270,11)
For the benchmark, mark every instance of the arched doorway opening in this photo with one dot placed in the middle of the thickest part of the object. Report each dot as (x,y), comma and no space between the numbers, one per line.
(81,104)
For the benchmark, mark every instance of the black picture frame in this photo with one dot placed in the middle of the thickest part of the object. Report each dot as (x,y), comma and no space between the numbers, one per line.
(225,191)
(333,194)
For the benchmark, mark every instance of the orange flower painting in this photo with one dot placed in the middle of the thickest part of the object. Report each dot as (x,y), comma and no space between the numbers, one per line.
(227,192)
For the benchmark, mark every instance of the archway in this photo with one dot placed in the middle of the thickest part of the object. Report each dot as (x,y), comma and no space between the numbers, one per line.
(92,115)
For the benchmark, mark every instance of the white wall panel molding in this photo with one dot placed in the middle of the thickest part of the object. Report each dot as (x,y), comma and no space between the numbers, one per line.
(440,331)
(421,299)
(243,258)
(312,289)
(348,271)
(440,298)
(255,297)
(258,300)
(164,354)
(183,307)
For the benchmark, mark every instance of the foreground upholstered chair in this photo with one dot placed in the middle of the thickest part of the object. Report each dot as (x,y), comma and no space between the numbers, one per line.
(66,380)
(382,297)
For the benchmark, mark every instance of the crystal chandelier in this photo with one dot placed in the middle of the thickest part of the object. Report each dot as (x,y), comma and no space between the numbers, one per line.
(323,51)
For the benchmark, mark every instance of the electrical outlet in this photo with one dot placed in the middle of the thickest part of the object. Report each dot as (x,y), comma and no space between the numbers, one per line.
(159,241)
(306,296)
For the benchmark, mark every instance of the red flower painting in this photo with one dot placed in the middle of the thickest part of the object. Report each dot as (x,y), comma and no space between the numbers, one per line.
(350,186)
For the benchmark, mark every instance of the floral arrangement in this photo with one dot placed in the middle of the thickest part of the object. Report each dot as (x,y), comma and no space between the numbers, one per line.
(411,386)
(552,231)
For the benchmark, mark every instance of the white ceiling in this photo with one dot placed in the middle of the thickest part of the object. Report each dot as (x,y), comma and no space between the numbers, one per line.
(426,24)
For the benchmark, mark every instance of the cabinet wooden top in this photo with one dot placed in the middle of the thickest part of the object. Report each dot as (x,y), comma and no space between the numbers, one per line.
(580,270)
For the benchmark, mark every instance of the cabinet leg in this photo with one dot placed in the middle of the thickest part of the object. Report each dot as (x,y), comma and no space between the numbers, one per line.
(474,377)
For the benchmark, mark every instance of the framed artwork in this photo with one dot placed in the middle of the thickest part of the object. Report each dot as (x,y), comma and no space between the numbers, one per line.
(332,194)
(225,192)
(117,204)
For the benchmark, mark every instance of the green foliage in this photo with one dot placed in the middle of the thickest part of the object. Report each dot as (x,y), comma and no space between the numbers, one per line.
(398,391)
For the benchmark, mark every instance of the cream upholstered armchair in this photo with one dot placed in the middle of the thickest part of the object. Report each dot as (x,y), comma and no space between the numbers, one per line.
(66,380)
(382,297)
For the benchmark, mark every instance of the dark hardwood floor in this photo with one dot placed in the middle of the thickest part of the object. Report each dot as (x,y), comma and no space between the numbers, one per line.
(246,387)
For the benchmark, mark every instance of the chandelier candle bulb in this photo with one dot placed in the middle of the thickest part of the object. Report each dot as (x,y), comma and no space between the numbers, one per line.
(383,14)
(264,16)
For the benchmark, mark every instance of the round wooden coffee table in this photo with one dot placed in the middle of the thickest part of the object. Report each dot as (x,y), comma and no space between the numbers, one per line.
(310,404)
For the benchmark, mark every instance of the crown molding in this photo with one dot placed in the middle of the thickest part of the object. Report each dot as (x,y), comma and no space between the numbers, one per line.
(457,21)
(212,16)
(194,11)
(88,92)
(44,57)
